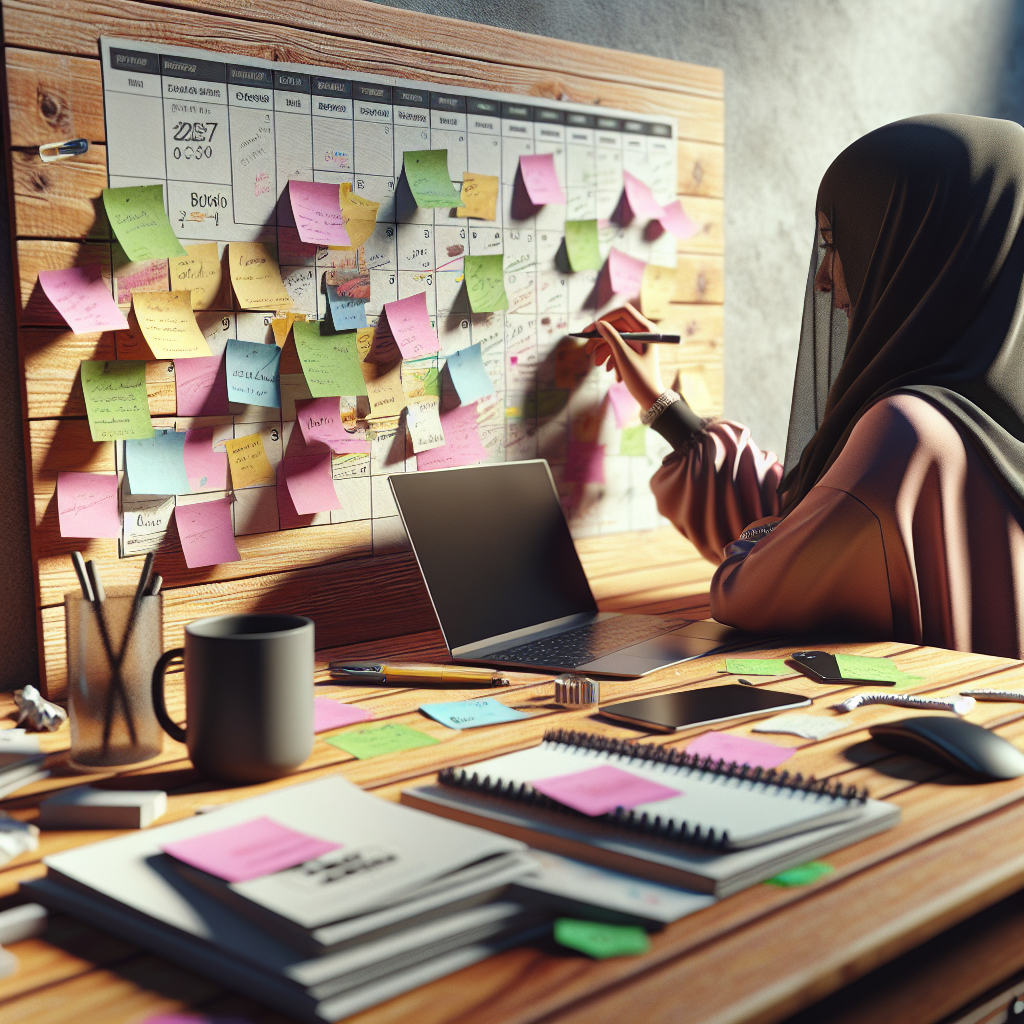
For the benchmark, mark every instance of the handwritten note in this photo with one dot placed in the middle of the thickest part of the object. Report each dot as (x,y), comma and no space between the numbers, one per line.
(253,373)
(207,469)
(674,220)
(169,325)
(115,399)
(250,466)
(480,196)
(250,850)
(332,714)
(198,272)
(469,375)
(582,245)
(359,215)
(811,727)
(758,667)
(600,790)
(316,207)
(625,273)
(377,740)
(462,446)
(600,940)
(541,178)
(408,323)
(421,379)
(384,389)
(87,505)
(624,405)
(256,277)
(485,283)
(206,534)
(584,462)
(201,386)
(641,200)
(320,421)
(426,171)
(311,484)
(330,361)
(130,277)
(423,421)
(346,314)
(657,290)
(873,670)
(139,221)
(721,746)
(82,297)
(468,714)
(156,465)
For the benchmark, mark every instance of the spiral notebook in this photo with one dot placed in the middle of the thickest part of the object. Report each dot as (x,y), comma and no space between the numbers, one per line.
(729,827)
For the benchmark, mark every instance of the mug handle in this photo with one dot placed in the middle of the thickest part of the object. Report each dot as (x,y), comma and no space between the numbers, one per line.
(172,728)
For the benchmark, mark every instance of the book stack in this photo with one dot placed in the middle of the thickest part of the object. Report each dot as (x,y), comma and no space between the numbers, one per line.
(21,760)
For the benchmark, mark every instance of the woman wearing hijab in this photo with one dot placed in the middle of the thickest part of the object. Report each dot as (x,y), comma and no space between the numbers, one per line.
(899,512)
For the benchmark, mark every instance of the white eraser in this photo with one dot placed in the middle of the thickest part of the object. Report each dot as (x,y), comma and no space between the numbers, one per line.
(24,922)
(84,807)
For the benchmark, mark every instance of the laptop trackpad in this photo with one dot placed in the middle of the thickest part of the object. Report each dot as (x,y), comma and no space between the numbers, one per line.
(645,657)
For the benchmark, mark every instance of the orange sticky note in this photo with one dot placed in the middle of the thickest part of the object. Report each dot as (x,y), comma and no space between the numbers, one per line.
(250,466)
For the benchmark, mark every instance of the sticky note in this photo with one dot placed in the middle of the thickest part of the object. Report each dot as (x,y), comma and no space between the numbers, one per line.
(408,322)
(584,462)
(156,465)
(281,325)
(169,325)
(423,421)
(468,714)
(726,747)
(206,534)
(384,389)
(320,420)
(802,874)
(256,277)
(599,940)
(624,405)
(758,667)
(872,670)
(82,297)
(139,223)
(485,283)
(480,195)
(250,850)
(332,714)
(642,203)
(87,505)
(600,790)
(462,445)
(330,361)
(346,314)
(311,484)
(421,379)
(351,282)
(206,469)
(359,215)
(625,273)
(469,375)
(426,171)
(250,466)
(130,277)
(811,727)
(581,245)
(253,373)
(201,386)
(316,207)
(376,740)
(115,399)
(674,220)
(657,290)
(634,440)
(541,178)
(199,272)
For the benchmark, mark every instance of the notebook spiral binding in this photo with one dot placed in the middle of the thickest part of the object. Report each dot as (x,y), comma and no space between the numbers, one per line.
(645,823)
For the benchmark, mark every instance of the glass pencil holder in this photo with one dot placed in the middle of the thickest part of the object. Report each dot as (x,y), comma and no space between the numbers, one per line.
(111,655)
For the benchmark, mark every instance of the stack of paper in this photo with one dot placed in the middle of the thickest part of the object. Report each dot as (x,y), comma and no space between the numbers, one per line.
(21,761)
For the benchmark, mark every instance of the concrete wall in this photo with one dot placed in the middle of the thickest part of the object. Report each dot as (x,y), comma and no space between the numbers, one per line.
(803,79)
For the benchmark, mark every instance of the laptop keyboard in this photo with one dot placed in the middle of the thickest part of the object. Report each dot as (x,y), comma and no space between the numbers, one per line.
(585,643)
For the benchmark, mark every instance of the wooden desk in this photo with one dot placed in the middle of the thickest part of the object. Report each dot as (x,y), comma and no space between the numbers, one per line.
(759,956)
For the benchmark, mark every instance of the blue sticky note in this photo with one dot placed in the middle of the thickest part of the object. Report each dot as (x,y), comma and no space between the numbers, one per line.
(346,314)
(469,375)
(254,373)
(156,465)
(468,714)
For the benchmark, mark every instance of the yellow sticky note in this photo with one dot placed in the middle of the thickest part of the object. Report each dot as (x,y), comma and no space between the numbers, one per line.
(250,466)
(256,277)
(282,324)
(169,325)
(364,341)
(359,215)
(657,289)
(199,272)
(480,194)
(384,388)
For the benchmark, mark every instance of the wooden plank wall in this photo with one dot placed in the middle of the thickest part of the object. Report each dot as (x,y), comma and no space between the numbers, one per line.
(54,92)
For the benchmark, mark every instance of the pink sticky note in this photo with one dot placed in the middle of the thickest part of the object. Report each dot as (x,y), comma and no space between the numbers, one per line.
(623,404)
(87,505)
(721,745)
(409,324)
(320,420)
(317,211)
(207,470)
(332,714)
(625,273)
(81,297)
(541,179)
(201,386)
(311,484)
(600,790)
(207,537)
(673,218)
(584,463)
(640,198)
(462,445)
(250,850)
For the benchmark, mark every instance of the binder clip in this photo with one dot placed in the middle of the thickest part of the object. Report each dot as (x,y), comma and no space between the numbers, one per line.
(577,691)
(53,151)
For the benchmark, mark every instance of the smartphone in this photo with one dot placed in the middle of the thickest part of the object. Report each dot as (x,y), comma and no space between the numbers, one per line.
(670,712)
(823,668)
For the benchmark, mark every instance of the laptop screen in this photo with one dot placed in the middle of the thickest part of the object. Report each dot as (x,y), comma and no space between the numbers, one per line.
(494,548)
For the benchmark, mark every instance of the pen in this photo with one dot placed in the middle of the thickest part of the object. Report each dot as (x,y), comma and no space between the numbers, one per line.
(656,339)
(414,674)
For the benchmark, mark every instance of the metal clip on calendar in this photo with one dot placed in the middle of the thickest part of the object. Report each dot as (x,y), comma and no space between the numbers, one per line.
(53,151)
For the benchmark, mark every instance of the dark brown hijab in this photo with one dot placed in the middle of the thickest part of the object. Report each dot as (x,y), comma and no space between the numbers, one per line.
(926,218)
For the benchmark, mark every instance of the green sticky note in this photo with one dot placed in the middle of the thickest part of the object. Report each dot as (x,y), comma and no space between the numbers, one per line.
(329,361)
(137,217)
(873,670)
(600,940)
(485,283)
(802,874)
(581,245)
(115,399)
(634,440)
(757,667)
(375,740)
(426,171)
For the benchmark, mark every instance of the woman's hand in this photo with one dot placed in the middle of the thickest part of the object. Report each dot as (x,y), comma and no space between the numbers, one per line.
(634,363)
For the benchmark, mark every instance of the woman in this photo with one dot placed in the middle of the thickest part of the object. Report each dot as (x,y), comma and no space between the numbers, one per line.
(899,512)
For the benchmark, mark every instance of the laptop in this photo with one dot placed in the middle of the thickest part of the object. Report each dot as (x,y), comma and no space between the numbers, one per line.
(508,587)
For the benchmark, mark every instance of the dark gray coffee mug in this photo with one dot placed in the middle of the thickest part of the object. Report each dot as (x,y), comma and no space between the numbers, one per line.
(248,695)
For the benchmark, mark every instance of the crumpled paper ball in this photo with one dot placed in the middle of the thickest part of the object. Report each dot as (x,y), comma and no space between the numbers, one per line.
(16,837)
(37,711)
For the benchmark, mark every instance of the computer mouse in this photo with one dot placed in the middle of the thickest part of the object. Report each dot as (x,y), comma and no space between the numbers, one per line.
(953,743)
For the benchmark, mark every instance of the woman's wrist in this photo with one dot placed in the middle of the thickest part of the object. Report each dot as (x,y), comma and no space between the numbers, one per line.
(659,405)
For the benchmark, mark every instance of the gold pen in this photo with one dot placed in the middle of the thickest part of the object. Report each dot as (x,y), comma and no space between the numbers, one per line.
(413,674)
